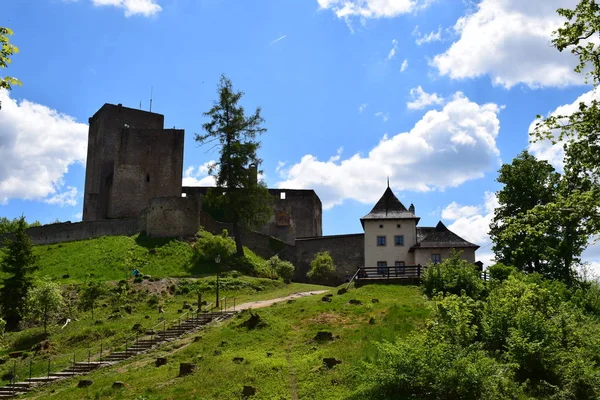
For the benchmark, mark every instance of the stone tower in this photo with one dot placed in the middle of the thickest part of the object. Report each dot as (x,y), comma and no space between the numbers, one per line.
(131,159)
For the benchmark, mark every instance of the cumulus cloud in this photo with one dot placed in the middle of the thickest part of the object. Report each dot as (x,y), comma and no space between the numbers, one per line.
(66,198)
(37,147)
(362,107)
(146,8)
(444,149)
(404,65)
(421,99)
(392,52)
(554,153)
(509,40)
(198,176)
(427,38)
(372,9)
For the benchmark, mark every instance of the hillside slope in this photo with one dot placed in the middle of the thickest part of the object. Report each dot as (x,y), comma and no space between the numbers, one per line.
(281,360)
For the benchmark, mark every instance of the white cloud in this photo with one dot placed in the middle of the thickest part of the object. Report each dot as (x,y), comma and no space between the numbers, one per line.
(66,198)
(362,107)
(392,52)
(421,99)
(554,153)
(146,8)
(509,40)
(372,9)
(383,116)
(444,149)
(428,38)
(37,146)
(198,176)
(278,39)
(404,65)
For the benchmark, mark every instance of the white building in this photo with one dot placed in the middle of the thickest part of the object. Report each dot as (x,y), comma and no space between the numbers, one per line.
(392,237)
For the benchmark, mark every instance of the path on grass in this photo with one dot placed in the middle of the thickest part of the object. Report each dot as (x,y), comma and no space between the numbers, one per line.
(267,303)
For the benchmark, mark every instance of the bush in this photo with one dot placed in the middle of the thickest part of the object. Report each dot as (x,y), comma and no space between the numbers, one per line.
(208,246)
(500,272)
(321,267)
(452,276)
(284,269)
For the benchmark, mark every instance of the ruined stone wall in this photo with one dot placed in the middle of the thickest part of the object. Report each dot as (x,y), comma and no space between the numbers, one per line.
(149,164)
(172,217)
(69,232)
(105,126)
(298,213)
(347,251)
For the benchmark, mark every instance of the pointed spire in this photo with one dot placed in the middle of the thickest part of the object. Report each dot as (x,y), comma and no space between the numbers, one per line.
(388,182)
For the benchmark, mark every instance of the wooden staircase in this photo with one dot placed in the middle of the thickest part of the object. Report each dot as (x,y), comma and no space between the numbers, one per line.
(177,329)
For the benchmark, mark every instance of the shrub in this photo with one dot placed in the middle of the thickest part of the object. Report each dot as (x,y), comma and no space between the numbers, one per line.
(321,267)
(208,246)
(500,272)
(284,269)
(452,276)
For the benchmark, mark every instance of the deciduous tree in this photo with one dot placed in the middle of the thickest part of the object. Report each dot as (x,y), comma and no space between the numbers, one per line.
(6,51)
(44,301)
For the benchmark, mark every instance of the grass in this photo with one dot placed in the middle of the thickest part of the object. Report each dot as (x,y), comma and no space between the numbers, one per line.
(85,332)
(281,360)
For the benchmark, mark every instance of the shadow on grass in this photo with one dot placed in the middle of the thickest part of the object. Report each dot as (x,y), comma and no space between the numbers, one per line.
(151,242)
(27,339)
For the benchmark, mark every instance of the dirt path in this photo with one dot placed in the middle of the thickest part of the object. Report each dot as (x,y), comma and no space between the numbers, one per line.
(267,303)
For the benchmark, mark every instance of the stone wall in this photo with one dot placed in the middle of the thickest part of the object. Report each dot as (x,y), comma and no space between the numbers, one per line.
(171,217)
(347,251)
(148,164)
(69,232)
(105,126)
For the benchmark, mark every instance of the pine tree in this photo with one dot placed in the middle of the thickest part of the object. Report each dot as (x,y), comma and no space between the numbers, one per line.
(18,263)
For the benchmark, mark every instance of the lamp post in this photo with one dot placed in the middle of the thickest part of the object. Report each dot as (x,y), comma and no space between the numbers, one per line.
(217,261)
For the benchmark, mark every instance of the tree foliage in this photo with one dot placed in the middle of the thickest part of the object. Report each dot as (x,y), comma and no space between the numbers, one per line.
(284,269)
(10,226)
(321,267)
(452,276)
(89,295)
(246,202)
(580,131)
(534,227)
(44,301)
(6,51)
(18,263)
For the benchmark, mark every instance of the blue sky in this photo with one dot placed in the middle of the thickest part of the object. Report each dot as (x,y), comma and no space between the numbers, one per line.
(435,94)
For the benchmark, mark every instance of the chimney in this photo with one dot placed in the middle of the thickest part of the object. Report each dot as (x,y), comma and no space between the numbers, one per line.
(411,208)
(253,174)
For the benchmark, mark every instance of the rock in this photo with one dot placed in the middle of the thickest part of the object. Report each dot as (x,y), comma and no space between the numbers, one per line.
(238,360)
(161,361)
(329,295)
(326,299)
(150,332)
(330,362)
(66,276)
(269,354)
(302,310)
(374,301)
(324,336)
(147,316)
(217,352)
(197,338)
(255,321)
(128,309)
(356,302)
(85,383)
(15,354)
(248,391)
(187,307)
(98,322)
(118,385)
(8,376)
(186,369)
(223,343)
(179,311)
(372,321)
(342,291)
(115,316)
(290,301)
(137,327)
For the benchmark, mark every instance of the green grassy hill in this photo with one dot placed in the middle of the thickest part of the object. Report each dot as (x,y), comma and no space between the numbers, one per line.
(281,360)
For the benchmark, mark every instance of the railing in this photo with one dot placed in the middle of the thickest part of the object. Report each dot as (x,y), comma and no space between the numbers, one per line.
(397,272)
(23,370)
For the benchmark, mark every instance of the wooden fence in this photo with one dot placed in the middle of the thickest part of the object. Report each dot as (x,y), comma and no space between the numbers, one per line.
(404,273)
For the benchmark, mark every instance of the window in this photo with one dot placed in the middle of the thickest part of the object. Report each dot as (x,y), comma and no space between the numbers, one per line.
(147,177)
(399,240)
(282,196)
(380,226)
(381,267)
(399,268)
(398,226)
(380,240)
(436,258)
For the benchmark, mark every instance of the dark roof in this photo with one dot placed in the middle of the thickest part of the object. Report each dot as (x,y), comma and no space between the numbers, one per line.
(439,237)
(389,207)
